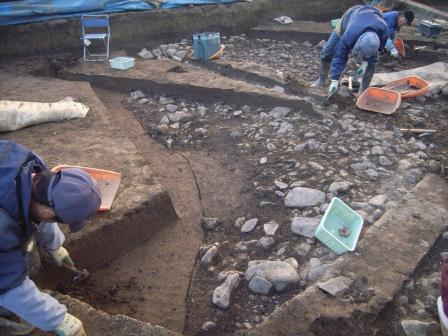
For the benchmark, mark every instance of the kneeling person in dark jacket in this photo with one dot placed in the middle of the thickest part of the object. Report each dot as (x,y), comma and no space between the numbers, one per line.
(32,200)
(362,31)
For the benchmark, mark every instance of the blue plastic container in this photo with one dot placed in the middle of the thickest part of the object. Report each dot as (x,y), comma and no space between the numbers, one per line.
(428,28)
(122,63)
(339,215)
(205,45)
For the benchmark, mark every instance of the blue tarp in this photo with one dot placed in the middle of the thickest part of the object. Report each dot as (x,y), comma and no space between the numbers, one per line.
(25,11)
(15,12)
(180,3)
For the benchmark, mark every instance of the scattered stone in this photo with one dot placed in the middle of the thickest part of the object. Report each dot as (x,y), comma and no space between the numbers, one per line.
(384,161)
(378,201)
(270,228)
(209,223)
(281,185)
(281,274)
(211,253)
(222,293)
(166,101)
(305,226)
(146,54)
(279,112)
(377,150)
(413,175)
(266,242)
(249,225)
(304,197)
(337,187)
(171,108)
(208,326)
(263,160)
(284,127)
(336,287)
(235,135)
(418,328)
(260,285)
(136,95)
(316,166)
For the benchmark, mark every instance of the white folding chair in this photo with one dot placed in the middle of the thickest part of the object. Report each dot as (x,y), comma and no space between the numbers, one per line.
(95,28)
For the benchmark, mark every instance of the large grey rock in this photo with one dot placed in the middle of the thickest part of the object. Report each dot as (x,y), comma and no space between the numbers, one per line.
(260,285)
(222,293)
(281,274)
(305,226)
(417,328)
(249,225)
(279,112)
(304,197)
(336,286)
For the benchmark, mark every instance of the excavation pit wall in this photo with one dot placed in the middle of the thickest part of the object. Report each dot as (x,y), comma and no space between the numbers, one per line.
(130,28)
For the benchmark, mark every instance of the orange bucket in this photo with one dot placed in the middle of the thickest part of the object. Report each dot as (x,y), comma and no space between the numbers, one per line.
(379,100)
(399,44)
(108,182)
(409,87)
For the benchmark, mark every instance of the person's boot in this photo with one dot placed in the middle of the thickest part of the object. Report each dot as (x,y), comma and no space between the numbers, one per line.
(324,68)
(367,78)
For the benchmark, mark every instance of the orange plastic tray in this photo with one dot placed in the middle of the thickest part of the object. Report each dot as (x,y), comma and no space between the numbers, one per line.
(108,182)
(379,100)
(383,9)
(399,44)
(409,87)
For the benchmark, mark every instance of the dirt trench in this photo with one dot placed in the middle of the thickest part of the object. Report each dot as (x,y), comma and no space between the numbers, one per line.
(152,281)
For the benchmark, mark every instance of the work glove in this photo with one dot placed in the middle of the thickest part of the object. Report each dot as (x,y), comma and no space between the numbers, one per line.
(60,257)
(70,326)
(360,71)
(333,88)
(394,53)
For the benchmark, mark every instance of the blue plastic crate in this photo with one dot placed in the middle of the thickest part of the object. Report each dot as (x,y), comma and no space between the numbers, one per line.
(428,28)
(205,45)
(337,216)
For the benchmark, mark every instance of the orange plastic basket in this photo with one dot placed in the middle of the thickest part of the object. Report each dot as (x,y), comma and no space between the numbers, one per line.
(379,100)
(399,44)
(108,182)
(409,87)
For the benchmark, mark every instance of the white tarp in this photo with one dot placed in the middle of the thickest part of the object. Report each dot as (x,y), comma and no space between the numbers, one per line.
(435,74)
(15,115)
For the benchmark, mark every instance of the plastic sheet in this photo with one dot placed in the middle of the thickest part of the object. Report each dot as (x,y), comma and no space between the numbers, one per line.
(25,11)
(180,3)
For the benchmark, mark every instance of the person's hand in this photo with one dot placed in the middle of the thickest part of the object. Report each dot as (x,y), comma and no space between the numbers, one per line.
(361,70)
(333,88)
(60,257)
(70,326)
(394,53)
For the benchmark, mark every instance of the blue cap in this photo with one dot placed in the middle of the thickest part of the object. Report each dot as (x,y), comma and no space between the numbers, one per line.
(75,197)
(367,45)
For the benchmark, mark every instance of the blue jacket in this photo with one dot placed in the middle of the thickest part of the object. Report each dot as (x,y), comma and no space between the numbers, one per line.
(391,19)
(16,165)
(358,20)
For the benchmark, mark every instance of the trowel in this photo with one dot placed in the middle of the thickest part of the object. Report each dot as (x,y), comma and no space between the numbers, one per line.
(79,275)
